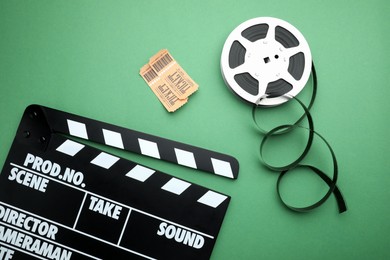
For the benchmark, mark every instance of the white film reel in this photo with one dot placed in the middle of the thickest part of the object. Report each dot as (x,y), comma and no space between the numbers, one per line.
(266,57)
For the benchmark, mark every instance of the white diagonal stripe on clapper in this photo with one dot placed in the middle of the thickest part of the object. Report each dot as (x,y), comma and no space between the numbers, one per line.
(70,147)
(105,160)
(185,158)
(176,186)
(113,138)
(77,129)
(212,199)
(149,148)
(140,173)
(222,168)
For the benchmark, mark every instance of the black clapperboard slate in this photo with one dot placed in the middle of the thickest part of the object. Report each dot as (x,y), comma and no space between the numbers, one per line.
(63,199)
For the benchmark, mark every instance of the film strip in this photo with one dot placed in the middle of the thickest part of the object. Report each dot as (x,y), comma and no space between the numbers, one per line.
(267,62)
(62,199)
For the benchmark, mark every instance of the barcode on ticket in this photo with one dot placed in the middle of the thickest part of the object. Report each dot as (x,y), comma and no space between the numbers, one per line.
(162,62)
(150,75)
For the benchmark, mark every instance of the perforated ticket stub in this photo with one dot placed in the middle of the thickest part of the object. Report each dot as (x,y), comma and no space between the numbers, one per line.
(167,79)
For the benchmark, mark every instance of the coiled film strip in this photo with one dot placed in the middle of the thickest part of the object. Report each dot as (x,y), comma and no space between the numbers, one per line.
(60,197)
(267,62)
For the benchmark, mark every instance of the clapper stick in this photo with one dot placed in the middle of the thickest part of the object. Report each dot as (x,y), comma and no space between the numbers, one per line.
(140,143)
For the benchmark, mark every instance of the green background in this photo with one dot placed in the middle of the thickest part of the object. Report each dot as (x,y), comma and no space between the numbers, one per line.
(84,57)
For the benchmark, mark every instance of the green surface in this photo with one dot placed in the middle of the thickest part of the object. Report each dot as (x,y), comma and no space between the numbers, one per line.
(84,56)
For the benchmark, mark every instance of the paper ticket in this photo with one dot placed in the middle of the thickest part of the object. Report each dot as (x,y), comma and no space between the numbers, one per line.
(167,79)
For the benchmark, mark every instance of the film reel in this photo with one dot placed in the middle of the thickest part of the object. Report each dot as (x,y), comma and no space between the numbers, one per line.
(266,57)
(267,62)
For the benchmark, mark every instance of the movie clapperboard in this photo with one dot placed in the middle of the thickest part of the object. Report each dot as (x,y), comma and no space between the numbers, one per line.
(60,198)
